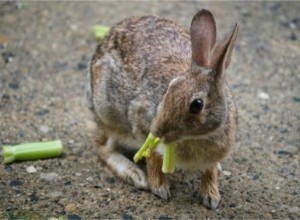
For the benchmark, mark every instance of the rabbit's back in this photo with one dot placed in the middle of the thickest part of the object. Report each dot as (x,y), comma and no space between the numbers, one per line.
(131,70)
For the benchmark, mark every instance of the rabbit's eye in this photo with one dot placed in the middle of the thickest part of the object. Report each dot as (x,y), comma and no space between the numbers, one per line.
(196,106)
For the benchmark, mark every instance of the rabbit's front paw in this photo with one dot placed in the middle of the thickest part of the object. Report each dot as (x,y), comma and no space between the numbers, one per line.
(209,190)
(156,178)
(211,201)
(162,191)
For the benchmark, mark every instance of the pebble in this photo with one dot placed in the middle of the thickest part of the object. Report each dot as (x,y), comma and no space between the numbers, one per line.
(31,169)
(14,85)
(90,179)
(219,166)
(293,37)
(227,173)
(82,66)
(263,95)
(126,216)
(90,125)
(55,194)
(296,99)
(50,177)
(44,129)
(71,207)
(287,151)
(294,209)
(42,112)
(7,57)
(110,180)
(73,217)
(15,183)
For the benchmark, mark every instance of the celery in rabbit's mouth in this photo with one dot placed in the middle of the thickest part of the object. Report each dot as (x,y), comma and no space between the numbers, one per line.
(169,153)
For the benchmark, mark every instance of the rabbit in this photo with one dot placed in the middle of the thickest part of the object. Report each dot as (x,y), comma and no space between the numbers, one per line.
(151,75)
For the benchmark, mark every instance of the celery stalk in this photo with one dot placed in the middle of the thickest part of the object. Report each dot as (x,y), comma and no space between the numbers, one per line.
(169,154)
(150,143)
(169,158)
(100,31)
(32,151)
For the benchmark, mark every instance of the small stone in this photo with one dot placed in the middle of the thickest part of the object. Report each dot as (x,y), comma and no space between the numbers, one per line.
(219,167)
(255,177)
(55,194)
(284,153)
(283,130)
(294,209)
(90,125)
(90,179)
(73,217)
(42,112)
(14,85)
(71,141)
(31,169)
(293,37)
(77,174)
(7,57)
(82,66)
(34,197)
(277,187)
(125,216)
(227,173)
(289,150)
(8,168)
(39,168)
(71,207)
(110,180)
(73,27)
(296,99)
(50,177)
(263,95)
(44,129)
(15,183)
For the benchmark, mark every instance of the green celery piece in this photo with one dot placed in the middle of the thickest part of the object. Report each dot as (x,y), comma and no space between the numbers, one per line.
(169,154)
(32,151)
(150,143)
(169,158)
(100,31)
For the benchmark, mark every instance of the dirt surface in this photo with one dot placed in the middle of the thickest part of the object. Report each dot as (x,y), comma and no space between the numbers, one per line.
(44,51)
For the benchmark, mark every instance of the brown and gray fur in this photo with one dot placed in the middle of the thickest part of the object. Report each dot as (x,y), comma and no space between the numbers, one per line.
(143,77)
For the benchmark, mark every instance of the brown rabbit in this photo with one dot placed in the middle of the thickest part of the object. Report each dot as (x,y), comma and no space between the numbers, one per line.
(150,75)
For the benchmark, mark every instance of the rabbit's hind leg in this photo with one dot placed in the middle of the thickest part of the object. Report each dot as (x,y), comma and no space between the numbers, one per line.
(119,164)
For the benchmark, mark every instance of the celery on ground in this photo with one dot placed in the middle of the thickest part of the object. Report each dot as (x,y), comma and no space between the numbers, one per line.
(32,151)
(100,31)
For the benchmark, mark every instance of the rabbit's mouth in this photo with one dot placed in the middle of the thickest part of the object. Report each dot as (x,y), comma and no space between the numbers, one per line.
(170,137)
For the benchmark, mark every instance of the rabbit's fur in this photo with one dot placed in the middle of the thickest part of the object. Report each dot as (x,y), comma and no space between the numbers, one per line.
(144,76)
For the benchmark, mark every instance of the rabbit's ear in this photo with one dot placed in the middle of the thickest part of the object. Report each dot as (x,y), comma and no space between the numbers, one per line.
(221,54)
(203,37)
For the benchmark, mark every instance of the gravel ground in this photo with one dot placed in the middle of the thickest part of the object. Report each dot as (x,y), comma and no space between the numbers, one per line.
(44,51)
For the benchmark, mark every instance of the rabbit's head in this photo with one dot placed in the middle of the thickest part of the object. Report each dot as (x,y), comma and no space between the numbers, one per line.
(195,103)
